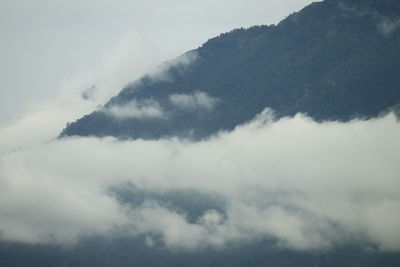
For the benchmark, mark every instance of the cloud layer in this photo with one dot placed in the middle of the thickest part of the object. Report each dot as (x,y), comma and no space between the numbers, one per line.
(305,184)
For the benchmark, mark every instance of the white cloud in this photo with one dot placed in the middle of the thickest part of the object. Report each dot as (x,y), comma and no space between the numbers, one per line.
(193,101)
(308,185)
(148,108)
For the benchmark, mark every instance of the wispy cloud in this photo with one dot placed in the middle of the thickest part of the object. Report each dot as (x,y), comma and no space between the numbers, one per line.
(389,25)
(148,108)
(179,65)
(193,101)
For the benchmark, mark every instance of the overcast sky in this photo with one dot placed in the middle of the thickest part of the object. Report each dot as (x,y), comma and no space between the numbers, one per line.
(44,42)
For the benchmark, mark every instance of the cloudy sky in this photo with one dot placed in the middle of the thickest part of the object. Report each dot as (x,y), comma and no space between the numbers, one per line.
(339,183)
(45,42)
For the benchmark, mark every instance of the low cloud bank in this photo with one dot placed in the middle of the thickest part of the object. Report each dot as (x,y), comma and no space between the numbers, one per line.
(305,184)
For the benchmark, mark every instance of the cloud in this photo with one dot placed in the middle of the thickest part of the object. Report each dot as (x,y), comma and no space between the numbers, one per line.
(304,184)
(196,100)
(389,25)
(137,109)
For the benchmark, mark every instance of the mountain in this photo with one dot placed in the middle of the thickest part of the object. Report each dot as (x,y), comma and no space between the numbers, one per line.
(333,60)
(126,252)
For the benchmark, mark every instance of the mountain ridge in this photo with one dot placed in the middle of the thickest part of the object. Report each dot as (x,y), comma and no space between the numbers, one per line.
(333,60)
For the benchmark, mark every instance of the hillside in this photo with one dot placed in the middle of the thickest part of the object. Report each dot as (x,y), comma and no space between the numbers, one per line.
(334,60)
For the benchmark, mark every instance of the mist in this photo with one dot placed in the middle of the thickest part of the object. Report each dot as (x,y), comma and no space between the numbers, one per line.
(305,184)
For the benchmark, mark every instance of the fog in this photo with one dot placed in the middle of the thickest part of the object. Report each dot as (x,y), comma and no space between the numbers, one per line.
(307,185)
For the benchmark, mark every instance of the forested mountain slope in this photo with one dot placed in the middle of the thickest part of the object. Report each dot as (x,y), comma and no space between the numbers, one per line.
(333,60)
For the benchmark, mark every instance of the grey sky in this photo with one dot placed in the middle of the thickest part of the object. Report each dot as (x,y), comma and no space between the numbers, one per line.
(46,41)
